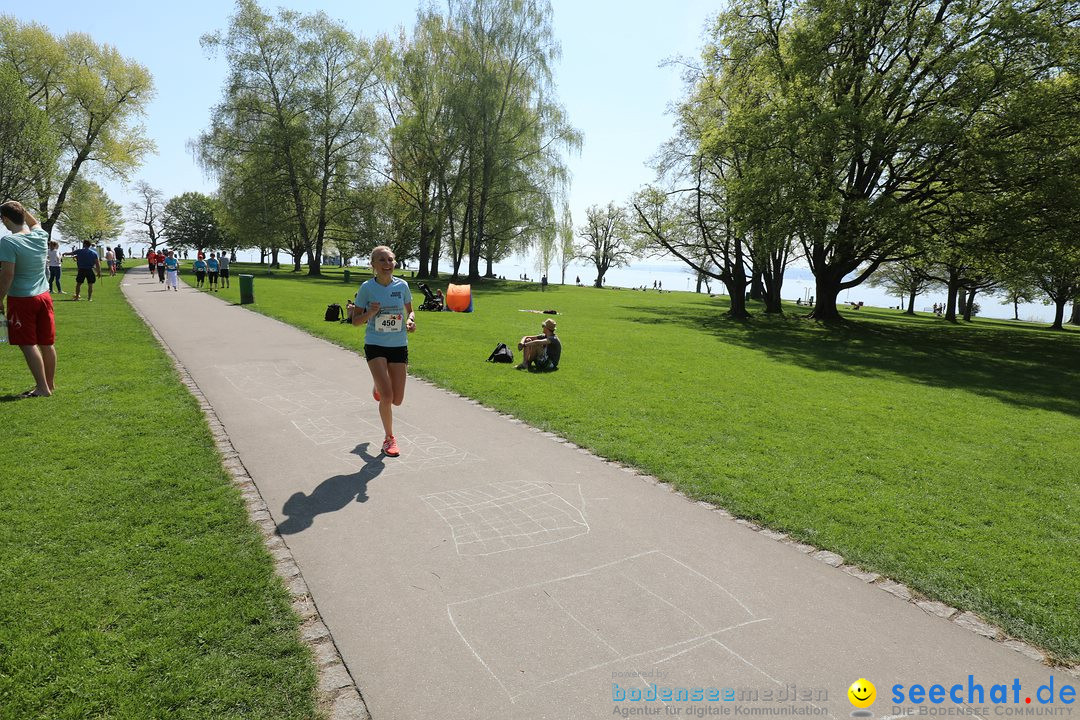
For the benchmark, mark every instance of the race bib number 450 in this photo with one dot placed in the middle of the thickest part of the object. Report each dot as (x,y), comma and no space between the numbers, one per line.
(389,322)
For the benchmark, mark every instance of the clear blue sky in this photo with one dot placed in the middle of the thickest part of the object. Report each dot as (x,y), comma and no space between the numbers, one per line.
(609,77)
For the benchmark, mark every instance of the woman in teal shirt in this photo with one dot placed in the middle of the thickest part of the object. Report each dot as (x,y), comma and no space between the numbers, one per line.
(384,304)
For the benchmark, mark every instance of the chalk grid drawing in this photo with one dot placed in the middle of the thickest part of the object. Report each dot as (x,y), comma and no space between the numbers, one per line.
(335,420)
(510,515)
(643,611)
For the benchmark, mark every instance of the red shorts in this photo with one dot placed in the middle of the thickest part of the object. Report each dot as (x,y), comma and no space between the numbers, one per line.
(30,320)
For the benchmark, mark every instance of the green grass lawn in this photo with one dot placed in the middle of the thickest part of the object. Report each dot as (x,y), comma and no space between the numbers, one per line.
(132,584)
(943,456)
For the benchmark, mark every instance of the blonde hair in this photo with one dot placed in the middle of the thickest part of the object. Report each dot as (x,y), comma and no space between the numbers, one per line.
(382,248)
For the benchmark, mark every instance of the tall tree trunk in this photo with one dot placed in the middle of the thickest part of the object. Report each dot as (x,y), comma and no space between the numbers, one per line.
(436,251)
(1059,313)
(950,303)
(757,283)
(490,273)
(477,236)
(601,271)
(1075,319)
(736,287)
(315,264)
(1016,309)
(274,261)
(969,305)
(772,283)
(771,293)
(827,292)
(474,258)
(911,304)
(424,253)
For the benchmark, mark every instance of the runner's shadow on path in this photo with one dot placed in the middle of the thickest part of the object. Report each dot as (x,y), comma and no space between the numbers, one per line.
(332,494)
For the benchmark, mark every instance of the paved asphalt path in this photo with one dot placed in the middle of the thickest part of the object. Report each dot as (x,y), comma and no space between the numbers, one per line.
(458,585)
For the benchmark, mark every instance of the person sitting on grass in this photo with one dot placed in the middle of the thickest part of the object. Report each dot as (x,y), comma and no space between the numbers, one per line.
(541,352)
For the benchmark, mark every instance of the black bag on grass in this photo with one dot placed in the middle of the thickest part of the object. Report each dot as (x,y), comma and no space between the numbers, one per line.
(333,312)
(501,354)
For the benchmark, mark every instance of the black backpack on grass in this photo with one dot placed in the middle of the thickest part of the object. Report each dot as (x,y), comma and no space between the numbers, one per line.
(501,354)
(333,313)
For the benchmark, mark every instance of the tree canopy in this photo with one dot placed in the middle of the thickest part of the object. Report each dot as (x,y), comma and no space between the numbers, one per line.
(93,99)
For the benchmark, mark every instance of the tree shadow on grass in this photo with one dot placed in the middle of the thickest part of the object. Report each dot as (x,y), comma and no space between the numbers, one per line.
(1033,367)
(331,495)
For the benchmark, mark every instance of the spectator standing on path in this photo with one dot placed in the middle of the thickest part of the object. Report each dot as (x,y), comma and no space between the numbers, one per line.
(54,266)
(161,267)
(200,272)
(110,259)
(29,310)
(385,303)
(212,270)
(88,269)
(223,262)
(172,268)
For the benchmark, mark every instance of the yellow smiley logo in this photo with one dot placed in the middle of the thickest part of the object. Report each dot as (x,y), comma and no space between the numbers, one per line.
(862,693)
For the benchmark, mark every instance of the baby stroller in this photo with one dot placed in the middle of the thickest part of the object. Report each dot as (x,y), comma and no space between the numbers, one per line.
(431,301)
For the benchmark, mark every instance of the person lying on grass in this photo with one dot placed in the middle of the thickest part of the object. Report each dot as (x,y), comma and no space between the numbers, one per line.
(541,352)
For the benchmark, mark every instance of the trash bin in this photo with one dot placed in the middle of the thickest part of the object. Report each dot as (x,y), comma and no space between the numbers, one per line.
(247,289)
(348,276)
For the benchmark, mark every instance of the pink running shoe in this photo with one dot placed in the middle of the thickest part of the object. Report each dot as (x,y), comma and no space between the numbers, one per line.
(389,447)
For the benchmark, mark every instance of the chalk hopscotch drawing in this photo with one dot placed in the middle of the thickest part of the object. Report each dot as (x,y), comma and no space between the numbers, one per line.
(510,515)
(645,609)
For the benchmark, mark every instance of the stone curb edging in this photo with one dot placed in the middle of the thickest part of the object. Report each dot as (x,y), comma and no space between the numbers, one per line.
(338,695)
(964,619)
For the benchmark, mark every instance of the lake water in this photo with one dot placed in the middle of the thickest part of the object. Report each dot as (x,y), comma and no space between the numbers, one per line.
(798,283)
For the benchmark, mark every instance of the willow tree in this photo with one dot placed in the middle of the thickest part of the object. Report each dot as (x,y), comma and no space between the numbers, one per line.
(299,98)
(509,128)
(564,233)
(421,148)
(93,98)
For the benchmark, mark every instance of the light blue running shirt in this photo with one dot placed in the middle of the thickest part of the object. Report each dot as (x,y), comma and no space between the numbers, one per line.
(388,327)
